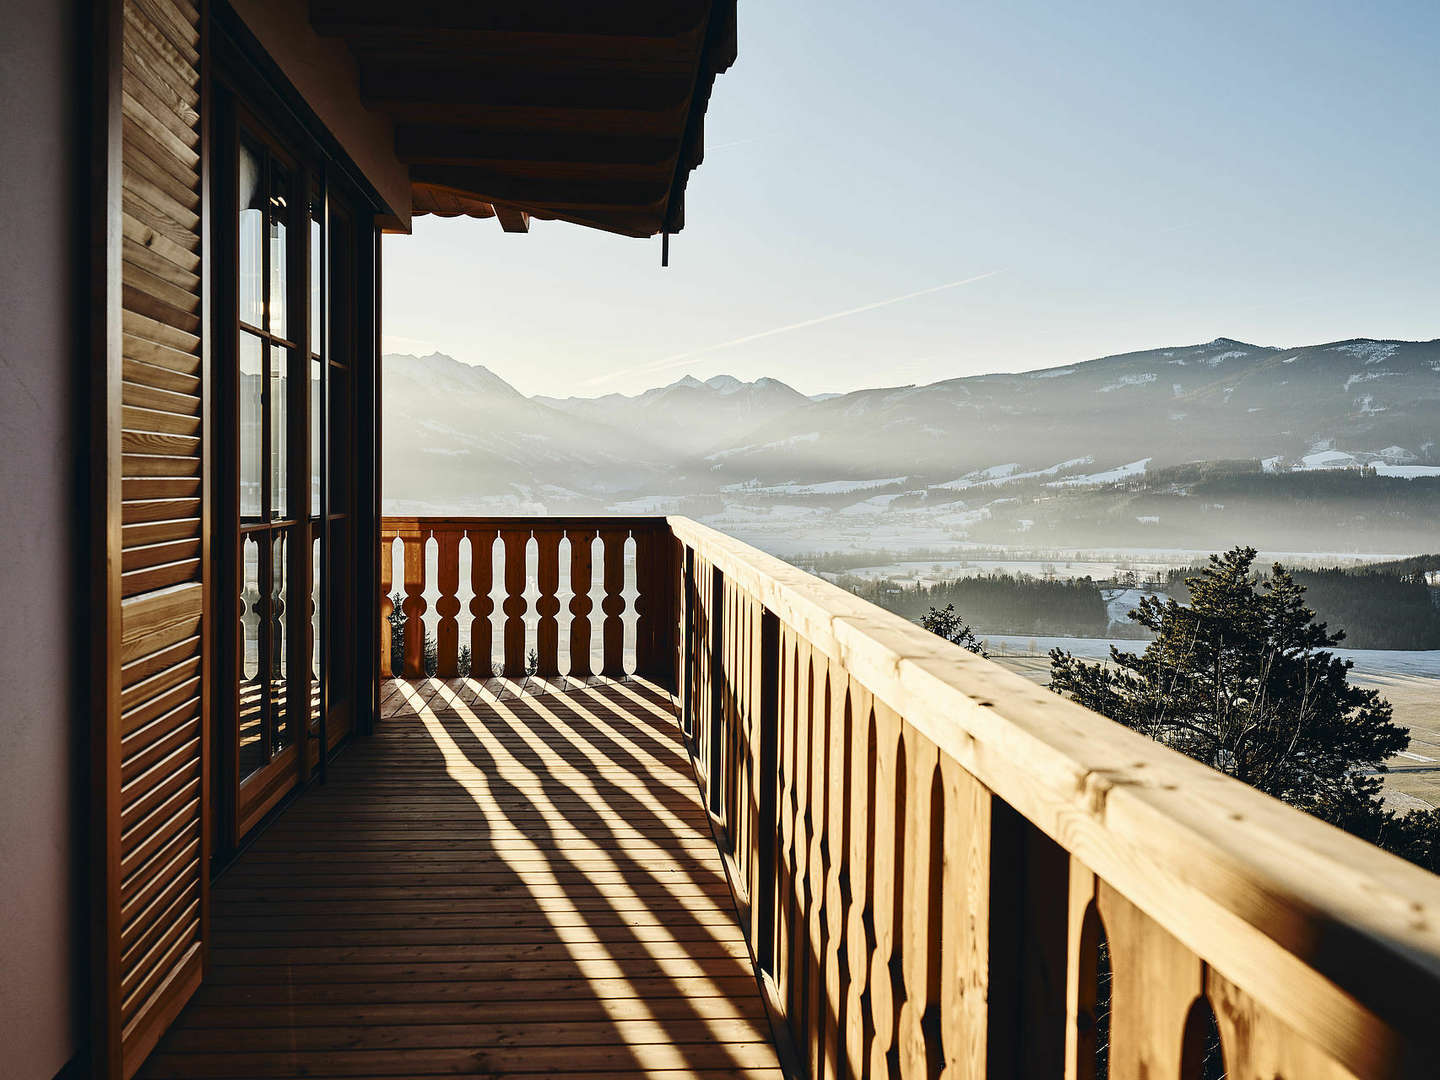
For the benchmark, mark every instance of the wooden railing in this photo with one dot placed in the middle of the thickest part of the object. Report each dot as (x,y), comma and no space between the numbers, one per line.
(506,542)
(946,870)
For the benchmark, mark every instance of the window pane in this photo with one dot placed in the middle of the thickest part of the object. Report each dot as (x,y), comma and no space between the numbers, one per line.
(316,315)
(279,429)
(279,653)
(279,218)
(252,746)
(252,225)
(252,434)
(317,417)
(339,459)
(342,288)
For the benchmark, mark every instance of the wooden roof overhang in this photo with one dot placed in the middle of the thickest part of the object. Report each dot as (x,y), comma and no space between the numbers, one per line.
(558,109)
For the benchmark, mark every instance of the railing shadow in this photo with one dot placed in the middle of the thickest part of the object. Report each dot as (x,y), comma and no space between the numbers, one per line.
(510,886)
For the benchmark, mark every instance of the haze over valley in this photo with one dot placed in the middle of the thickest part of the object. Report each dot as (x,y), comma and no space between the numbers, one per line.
(1330,448)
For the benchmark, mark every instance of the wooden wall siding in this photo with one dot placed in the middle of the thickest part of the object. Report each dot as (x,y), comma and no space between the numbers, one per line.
(594,614)
(161,881)
(927,850)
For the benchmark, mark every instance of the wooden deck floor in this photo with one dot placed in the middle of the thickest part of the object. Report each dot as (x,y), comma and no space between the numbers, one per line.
(495,884)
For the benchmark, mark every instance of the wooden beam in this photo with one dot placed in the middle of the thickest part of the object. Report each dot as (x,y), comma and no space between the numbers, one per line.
(432,144)
(512,220)
(533,51)
(395,82)
(491,185)
(647,18)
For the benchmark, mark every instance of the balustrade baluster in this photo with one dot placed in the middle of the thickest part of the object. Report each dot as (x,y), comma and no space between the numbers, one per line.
(613,629)
(1155,979)
(965,931)
(889,798)
(836,852)
(415,605)
(581,543)
(817,796)
(514,542)
(387,606)
(482,604)
(547,576)
(919,944)
(447,576)
(715,752)
(860,873)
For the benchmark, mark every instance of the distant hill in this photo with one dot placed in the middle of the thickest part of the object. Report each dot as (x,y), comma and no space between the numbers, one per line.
(1223,399)
(985,456)
(458,438)
(690,416)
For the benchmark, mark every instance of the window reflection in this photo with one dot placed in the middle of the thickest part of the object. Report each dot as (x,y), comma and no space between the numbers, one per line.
(251,240)
(279,430)
(279,704)
(279,268)
(252,746)
(252,432)
(317,417)
(316,315)
(315,571)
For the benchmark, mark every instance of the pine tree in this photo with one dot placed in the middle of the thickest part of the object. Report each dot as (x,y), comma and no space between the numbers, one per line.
(1242,679)
(949,625)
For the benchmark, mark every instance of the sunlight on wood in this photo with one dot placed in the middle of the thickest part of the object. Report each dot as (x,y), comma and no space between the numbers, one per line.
(512,877)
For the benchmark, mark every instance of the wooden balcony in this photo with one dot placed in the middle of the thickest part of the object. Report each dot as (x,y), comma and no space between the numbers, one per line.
(729,801)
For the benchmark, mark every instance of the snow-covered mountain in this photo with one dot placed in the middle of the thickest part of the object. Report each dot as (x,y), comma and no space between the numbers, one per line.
(954,453)
(1223,399)
(688,415)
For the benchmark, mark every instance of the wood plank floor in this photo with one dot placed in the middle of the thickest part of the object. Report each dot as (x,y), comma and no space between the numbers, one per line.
(506,880)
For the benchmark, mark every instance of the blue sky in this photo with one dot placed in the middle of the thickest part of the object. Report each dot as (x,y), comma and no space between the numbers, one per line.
(1105,177)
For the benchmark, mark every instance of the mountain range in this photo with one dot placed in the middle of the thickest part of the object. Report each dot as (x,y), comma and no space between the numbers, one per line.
(459,438)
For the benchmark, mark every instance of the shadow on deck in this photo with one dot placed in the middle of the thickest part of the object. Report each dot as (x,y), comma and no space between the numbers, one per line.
(496,883)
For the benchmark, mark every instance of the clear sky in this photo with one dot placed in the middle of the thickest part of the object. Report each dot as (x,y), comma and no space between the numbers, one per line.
(1127,174)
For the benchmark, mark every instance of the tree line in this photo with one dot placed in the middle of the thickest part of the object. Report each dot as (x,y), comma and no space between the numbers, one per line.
(1378,609)
(998,603)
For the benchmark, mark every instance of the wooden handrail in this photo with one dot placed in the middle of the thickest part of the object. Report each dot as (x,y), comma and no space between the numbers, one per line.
(654,603)
(930,851)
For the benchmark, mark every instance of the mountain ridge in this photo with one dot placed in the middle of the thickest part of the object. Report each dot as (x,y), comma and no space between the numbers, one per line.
(474,439)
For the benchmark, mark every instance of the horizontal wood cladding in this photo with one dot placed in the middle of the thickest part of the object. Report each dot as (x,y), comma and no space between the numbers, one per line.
(160,887)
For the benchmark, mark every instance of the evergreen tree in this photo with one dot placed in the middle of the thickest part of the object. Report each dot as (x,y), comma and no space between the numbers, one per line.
(1241,678)
(949,625)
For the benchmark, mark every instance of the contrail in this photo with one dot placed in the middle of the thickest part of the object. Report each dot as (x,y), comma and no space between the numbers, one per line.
(681,358)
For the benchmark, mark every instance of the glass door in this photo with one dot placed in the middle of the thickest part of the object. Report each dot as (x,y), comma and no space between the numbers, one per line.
(271,519)
(285,344)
